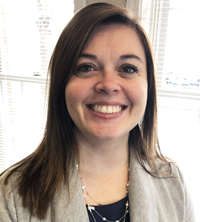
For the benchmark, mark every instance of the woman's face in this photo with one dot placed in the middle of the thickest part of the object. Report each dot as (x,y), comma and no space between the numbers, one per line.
(107,95)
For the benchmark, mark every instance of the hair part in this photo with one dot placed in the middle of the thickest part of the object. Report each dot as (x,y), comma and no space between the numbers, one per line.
(50,164)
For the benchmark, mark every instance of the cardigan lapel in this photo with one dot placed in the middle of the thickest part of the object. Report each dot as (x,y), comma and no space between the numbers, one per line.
(77,203)
(70,208)
(142,196)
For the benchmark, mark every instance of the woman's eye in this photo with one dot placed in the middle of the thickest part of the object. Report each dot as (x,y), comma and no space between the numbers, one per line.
(129,69)
(85,68)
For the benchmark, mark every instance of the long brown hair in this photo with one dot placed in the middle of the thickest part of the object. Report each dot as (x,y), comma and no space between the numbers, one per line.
(51,161)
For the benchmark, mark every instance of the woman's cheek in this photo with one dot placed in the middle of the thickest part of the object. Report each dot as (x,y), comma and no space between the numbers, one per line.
(138,93)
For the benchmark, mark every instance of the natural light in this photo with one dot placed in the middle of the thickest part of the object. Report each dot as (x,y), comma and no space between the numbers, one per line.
(28,35)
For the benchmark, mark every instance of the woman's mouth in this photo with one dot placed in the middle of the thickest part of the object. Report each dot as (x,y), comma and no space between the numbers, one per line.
(106,109)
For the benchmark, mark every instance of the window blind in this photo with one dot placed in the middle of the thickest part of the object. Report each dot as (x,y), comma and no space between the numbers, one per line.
(28,33)
(172,29)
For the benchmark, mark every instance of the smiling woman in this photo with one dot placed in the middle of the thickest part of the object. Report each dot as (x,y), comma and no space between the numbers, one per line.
(99,159)
(108,99)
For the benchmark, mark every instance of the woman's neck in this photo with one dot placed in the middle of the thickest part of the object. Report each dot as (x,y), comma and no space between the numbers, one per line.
(104,169)
(103,156)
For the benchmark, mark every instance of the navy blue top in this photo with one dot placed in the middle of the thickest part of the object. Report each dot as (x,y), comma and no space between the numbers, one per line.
(111,212)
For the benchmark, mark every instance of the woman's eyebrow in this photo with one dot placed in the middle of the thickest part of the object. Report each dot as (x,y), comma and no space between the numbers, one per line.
(86,55)
(130,56)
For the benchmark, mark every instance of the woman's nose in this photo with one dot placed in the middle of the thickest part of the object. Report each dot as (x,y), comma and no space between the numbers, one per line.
(108,83)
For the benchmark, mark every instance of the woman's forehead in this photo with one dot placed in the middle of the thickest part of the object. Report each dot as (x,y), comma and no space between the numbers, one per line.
(114,38)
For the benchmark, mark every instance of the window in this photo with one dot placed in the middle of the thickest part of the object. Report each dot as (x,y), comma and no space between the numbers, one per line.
(28,33)
(172,28)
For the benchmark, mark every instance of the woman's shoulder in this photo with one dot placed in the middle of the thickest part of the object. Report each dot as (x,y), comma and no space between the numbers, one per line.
(8,195)
(9,181)
(167,189)
(169,170)
(173,190)
(9,176)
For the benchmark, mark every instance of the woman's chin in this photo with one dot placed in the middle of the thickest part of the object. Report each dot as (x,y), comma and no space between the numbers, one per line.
(111,134)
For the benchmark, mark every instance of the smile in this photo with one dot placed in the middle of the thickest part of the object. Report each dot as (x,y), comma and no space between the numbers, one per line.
(107,109)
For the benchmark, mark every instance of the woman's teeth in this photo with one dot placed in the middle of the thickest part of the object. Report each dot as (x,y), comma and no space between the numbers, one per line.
(106,109)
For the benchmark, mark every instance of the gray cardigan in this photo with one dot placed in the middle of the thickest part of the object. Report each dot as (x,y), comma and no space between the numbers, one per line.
(151,200)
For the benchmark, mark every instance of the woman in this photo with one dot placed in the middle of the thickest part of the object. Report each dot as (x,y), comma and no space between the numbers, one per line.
(99,159)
